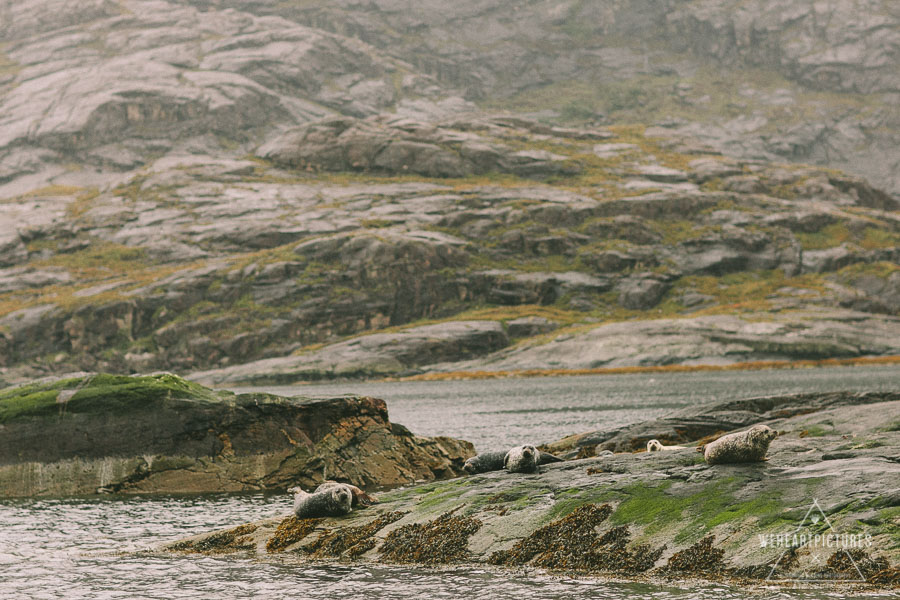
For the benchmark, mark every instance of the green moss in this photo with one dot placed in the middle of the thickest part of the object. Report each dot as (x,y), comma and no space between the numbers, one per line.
(693,515)
(443,493)
(100,393)
(813,431)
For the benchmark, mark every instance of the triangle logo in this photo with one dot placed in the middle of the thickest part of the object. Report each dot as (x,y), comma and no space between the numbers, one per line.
(815,552)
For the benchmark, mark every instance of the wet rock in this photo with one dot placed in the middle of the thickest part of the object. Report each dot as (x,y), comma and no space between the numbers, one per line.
(161,434)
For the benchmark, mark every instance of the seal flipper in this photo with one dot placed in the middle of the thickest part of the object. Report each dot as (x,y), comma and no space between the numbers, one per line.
(547,458)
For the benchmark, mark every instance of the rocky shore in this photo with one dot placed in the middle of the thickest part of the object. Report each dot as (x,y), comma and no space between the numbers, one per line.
(643,515)
(98,433)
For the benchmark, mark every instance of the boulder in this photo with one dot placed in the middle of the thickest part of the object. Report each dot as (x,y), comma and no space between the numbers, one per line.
(640,292)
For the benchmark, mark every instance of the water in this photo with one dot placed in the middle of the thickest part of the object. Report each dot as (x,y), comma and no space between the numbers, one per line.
(501,413)
(85,548)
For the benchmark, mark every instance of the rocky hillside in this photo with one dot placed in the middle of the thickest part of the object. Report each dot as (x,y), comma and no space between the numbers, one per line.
(380,224)
(257,191)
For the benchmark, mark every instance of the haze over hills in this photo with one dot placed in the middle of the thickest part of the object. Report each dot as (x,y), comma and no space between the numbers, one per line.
(199,185)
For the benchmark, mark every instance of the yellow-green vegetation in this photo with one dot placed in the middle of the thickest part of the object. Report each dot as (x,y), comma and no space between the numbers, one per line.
(675,231)
(870,238)
(99,393)
(82,203)
(828,237)
(7,65)
(744,290)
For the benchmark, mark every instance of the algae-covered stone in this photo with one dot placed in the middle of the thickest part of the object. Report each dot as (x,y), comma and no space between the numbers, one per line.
(160,433)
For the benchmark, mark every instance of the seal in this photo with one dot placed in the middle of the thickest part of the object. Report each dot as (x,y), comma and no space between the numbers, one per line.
(360,498)
(335,500)
(496,461)
(740,447)
(657,446)
(482,463)
(522,459)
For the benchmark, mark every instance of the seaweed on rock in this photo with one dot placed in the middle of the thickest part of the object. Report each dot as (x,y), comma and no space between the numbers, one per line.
(443,540)
(572,543)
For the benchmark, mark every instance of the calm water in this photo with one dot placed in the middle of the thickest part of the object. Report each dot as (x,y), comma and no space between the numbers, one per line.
(501,413)
(67,548)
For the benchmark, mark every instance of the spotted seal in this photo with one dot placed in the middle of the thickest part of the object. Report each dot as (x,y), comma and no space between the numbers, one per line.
(496,461)
(334,500)
(482,463)
(360,498)
(657,446)
(740,447)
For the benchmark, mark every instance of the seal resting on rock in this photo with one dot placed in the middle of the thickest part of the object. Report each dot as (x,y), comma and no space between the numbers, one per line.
(740,447)
(334,500)
(482,463)
(522,459)
(496,461)
(360,498)
(657,446)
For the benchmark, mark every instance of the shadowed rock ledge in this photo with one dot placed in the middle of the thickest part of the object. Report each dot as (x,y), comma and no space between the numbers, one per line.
(161,434)
(639,515)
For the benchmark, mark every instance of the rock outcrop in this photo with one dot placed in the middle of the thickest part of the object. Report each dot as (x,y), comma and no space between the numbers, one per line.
(401,146)
(661,514)
(161,434)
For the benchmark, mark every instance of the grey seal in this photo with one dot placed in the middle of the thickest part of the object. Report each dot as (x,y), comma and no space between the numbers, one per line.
(740,447)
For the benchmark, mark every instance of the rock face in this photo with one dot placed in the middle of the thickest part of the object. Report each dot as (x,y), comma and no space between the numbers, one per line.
(702,340)
(161,434)
(401,146)
(376,355)
(634,515)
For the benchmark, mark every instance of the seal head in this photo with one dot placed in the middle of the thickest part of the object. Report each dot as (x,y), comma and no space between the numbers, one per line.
(334,501)
(522,459)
